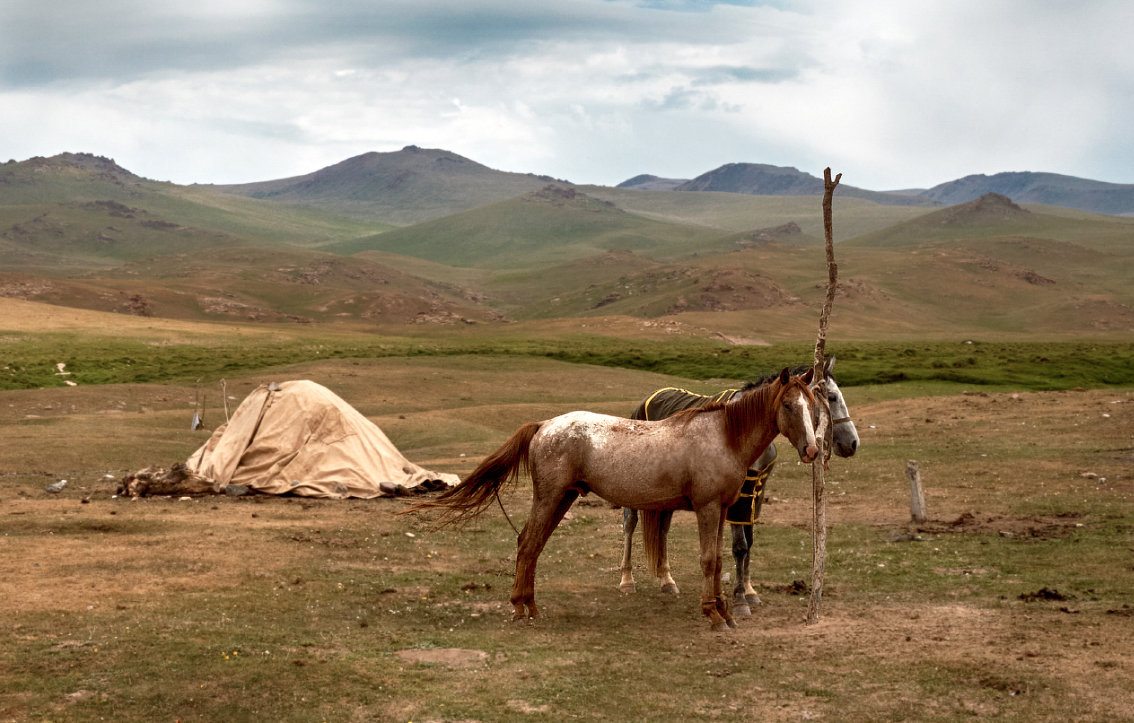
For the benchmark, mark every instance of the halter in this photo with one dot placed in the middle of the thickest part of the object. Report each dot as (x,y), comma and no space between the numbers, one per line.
(841,420)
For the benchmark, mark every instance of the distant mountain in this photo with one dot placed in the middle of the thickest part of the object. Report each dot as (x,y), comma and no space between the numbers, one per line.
(76,211)
(68,177)
(761,179)
(400,188)
(646,182)
(1051,189)
(78,230)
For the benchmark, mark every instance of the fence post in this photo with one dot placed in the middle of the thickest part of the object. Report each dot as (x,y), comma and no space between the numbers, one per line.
(917,495)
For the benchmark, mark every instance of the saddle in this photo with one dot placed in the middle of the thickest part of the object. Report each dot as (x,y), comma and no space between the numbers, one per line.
(671,400)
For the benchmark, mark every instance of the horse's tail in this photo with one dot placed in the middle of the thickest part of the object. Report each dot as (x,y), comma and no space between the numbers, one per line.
(476,492)
(655,527)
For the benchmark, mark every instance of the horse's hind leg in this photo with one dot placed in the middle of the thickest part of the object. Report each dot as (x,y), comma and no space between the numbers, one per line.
(668,584)
(741,555)
(750,595)
(629,522)
(542,522)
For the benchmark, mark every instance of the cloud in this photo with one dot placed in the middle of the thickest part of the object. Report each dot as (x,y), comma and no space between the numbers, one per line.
(892,93)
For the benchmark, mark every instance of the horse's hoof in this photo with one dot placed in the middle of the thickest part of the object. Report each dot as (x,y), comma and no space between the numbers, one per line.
(671,588)
(627,588)
(753,599)
(741,610)
(731,623)
(521,614)
(721,627)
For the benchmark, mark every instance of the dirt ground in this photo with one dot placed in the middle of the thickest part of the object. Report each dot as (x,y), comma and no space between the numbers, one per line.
(1028,605)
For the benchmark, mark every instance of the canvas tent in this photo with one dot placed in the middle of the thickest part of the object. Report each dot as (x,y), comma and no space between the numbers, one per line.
(300,438)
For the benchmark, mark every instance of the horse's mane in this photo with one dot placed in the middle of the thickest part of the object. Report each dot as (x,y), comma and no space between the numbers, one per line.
(755,399)
(794,371)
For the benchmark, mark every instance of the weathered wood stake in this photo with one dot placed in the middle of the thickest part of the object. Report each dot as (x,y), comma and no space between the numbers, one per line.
(917,494)
(824,432)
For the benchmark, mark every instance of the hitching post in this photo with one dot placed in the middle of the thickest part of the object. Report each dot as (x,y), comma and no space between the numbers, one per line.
(824,432)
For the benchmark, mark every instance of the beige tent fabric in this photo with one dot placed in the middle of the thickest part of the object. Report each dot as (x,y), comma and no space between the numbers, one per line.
(299,437)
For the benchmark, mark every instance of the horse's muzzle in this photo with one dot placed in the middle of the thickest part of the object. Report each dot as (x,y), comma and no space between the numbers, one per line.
(808,455)
(846,450)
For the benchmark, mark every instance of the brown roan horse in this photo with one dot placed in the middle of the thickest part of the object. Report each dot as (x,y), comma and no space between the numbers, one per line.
(693,460)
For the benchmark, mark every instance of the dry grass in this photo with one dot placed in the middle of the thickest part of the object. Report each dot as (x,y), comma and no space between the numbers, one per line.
(291,609)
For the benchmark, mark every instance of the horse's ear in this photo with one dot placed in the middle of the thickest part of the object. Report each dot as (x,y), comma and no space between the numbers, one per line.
(808,376)
(784,376)
(830,365)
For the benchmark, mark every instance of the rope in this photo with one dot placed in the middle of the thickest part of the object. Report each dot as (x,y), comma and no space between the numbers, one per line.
(496,493)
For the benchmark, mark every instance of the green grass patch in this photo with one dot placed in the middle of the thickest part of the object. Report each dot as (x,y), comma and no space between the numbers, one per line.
(31,359)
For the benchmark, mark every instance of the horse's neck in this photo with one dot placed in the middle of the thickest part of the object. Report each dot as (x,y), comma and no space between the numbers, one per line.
(754,423)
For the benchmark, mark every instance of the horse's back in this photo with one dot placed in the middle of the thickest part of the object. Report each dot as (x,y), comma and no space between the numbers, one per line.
(671,400)
(668,401)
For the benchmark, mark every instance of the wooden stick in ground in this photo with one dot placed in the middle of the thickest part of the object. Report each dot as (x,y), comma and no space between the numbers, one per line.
(917,494)
(823,433)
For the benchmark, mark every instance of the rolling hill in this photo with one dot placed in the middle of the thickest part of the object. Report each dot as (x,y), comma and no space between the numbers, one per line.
(249,284)
(75,212)
(551,225)
(77,230)
(1050,189)
(399,188)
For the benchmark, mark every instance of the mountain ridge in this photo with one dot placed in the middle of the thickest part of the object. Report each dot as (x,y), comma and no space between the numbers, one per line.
(78,230)
(1049,189)
(401,187)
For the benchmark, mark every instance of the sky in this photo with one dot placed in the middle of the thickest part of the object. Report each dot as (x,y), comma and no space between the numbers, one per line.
(890,93)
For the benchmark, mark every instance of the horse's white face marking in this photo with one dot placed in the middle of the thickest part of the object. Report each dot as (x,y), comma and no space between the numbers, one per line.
(797,422)
(808,426)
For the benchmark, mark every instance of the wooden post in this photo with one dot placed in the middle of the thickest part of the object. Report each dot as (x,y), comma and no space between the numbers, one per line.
(917,495)
(818,483)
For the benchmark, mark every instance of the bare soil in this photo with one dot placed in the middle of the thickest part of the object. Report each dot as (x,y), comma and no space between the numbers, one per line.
(1023,612)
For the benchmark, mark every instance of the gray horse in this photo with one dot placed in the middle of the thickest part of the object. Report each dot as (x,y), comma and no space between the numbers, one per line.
(743,513)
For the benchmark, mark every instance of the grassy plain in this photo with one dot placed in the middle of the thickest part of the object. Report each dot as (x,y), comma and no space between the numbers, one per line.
(1013,602)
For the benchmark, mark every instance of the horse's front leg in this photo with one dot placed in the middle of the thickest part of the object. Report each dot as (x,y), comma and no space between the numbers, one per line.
(710,530)
(629,522)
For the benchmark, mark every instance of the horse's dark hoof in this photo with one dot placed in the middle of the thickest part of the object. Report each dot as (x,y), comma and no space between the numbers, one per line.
(741,610)
(721,627)
(671,588)
(731,623)
(753,599)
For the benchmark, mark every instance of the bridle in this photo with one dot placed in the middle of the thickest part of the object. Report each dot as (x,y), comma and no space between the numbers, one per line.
(842,420)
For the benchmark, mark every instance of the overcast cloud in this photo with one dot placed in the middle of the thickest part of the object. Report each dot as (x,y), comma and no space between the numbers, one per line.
(892,93)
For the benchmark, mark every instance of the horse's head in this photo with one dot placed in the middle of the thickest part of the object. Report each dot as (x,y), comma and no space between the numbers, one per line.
(796,409)
(845,435)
